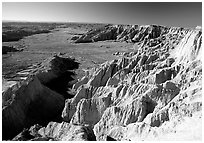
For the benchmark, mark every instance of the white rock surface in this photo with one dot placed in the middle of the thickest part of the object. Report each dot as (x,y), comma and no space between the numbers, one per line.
(67,132)
(154,92)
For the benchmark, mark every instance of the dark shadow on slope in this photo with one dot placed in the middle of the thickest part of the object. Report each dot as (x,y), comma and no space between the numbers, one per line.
(61,76)
(7,49)
(31,103)
(150,105)
(40,99)
(108,138)
(62,84)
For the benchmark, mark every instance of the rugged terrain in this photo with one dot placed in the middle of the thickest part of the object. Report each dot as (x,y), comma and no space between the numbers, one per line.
(153,92)
(36,48)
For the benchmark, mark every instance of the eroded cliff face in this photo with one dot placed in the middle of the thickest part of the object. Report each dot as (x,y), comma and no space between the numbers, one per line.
(152,93)
(31,103)
(147,94)
(35,98)
(131,33)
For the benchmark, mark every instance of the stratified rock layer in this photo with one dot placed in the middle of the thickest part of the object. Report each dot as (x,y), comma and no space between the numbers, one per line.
(128,33)
(67,132)
(34,99)
(146,93)
(151,93)
(31,102)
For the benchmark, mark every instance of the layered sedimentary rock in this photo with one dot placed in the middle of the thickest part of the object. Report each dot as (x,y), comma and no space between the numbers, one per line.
(32,99)
(67,132)
(129,33)
(57,132)
(145,93)
(31,102)
(151,93)
(104,33)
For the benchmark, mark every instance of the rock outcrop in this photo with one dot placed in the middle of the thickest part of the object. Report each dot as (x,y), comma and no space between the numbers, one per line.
(34,98)
(129,33)
(104,33)
(57,132)
(67,132)
(152,93)
(30,103)
(145,93)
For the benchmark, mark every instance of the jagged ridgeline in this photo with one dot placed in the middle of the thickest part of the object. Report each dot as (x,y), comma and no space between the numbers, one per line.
(152,93)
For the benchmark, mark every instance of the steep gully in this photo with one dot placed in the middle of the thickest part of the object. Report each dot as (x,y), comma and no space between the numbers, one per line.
(140,91)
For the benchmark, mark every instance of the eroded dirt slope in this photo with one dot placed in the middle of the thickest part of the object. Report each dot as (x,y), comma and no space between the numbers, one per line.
(152,92)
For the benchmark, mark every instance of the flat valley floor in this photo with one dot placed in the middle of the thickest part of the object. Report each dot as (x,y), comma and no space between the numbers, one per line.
(39,47)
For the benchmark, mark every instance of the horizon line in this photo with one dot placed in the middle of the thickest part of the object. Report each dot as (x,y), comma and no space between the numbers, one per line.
(91,23)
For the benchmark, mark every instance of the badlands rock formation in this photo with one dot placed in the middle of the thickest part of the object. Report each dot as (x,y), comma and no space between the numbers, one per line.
(35,99)
(131,33)
(57,132)
(152,93)
(146,94)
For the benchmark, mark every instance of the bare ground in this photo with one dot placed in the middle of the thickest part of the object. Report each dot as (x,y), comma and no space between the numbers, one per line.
(39,47)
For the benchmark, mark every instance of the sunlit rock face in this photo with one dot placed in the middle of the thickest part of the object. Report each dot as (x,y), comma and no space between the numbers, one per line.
(130,33)
(144,95)
(67,132)
(57,132)
(152,93)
